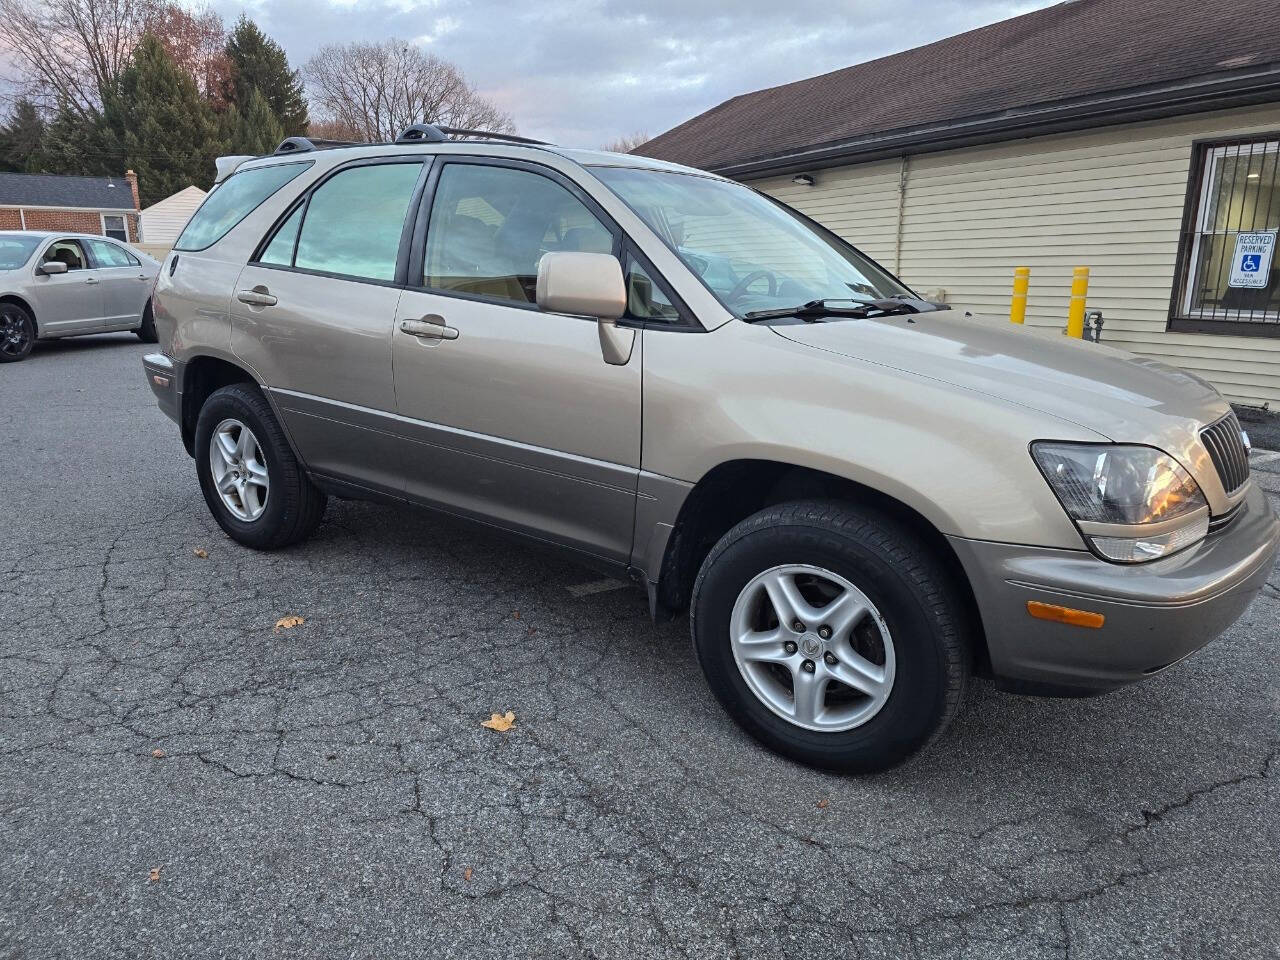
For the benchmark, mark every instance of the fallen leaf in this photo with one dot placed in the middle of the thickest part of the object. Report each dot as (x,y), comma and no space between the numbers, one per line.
(288,623)
(154,874)
(516,615)
(500,722)
(822,804)
(157,753)
(466,874)
(201,553)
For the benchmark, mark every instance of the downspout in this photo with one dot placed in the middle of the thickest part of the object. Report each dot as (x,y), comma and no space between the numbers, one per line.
(22,216)
(903,174)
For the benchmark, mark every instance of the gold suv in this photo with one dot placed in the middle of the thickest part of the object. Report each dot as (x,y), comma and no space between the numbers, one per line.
(860,497)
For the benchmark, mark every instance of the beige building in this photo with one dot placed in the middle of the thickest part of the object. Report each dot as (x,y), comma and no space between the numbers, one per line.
(954,163)
(164,220)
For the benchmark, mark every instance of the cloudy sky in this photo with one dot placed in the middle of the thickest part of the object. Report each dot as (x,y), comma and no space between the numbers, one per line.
(582,72)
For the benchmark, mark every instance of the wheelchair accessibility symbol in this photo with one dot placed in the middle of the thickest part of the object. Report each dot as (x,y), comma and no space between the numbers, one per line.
(1251,264)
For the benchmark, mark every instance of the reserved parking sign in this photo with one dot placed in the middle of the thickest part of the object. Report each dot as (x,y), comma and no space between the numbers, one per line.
(1251,265)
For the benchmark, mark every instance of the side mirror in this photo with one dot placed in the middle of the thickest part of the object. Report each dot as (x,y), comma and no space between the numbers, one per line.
(586,284)
(590,285)
(52,267)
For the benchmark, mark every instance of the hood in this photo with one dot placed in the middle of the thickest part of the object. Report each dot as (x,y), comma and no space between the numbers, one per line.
(1124,398)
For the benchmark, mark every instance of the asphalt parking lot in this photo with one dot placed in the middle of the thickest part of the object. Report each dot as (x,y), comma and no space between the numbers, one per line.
(179,779)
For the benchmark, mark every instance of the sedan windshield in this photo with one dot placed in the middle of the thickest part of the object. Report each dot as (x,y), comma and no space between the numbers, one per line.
(752,253)
(15,251)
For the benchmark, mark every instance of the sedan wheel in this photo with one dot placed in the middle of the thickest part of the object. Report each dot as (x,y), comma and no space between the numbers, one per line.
(17,333)
(239,470)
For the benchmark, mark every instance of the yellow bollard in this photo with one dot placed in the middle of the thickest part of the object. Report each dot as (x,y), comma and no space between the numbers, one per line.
(1075,313)
(1018,306)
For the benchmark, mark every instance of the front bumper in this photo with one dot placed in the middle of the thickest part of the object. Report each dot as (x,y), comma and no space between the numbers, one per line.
(1156,613)
(165,377)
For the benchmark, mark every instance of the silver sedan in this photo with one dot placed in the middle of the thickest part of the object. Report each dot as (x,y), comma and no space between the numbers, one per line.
(68,284)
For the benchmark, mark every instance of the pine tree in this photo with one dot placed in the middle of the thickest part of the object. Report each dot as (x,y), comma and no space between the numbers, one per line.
(253,130)
(258,62)
(167,132)
(21,137)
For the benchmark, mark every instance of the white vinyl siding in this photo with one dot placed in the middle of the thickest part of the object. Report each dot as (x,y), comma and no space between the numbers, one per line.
(1110,199)
(163,221)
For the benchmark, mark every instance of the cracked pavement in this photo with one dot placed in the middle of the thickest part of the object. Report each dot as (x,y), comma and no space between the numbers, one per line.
(329,791)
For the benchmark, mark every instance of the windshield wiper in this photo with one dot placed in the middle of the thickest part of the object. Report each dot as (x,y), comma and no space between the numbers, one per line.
(826,308)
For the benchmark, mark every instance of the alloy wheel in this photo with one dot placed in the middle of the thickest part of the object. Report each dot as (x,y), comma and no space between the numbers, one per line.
(812,647)
(239,470)
(15,333)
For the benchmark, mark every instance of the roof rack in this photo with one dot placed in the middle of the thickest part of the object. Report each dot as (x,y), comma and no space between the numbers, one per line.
(416,133)
(430,133)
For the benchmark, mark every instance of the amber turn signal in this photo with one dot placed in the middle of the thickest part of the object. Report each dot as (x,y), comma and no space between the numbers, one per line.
(1076,618)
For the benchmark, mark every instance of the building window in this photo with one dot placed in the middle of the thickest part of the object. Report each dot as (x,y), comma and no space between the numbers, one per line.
(113,226)
(1229,276)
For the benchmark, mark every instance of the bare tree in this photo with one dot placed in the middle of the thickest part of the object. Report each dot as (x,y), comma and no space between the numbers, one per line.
(196,41)
(626,144)
(72,53)
(375,90)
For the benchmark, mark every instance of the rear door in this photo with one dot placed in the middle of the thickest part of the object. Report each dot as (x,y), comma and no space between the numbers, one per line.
(68,302)
(312,315)
(512,415)
(125,285)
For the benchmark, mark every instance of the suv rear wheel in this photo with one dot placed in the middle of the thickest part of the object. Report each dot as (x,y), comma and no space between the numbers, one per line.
(252,482)
(829,633)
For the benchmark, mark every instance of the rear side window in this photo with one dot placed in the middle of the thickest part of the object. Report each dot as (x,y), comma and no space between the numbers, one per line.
(280,250)
(354,220)
(233,200)
(110,255)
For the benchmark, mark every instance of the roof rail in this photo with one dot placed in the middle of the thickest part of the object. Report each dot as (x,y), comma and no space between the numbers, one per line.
(307,144)
(430,133)
(490,135)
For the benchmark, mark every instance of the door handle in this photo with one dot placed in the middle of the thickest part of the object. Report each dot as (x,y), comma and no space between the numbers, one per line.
(143,276)
(90,279)
(257,297)
(431,327)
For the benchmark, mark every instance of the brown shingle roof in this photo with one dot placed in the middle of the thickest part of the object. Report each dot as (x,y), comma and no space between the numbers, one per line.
(1062,55)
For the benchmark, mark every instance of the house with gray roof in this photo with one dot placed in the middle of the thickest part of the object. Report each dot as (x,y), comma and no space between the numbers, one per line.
(1138,139)
(42,201)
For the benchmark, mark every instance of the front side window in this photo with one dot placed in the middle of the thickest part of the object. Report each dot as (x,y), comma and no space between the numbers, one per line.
(490,226)
(353,222)
(752,253)
(15,251)
(110,255)
(69,252)
(1230,273)
(233,200)
(114,226)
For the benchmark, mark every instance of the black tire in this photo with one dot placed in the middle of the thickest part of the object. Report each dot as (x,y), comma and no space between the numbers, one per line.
(884,559)
(294,505)
(17,333)
(147,332)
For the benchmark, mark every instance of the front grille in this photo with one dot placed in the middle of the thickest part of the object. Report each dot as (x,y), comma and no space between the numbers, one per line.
(1226,449)
(1224,520)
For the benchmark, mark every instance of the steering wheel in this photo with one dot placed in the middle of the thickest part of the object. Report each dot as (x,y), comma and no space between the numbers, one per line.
(740,288)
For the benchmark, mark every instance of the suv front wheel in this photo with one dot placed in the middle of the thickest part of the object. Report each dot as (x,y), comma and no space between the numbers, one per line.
(831,635)
(252,482)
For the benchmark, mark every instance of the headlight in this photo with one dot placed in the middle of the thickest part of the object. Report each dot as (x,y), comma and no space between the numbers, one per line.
(1131,503)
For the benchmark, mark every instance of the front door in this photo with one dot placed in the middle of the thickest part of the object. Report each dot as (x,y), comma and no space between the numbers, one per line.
(312,315)
(510,414)
(68,302)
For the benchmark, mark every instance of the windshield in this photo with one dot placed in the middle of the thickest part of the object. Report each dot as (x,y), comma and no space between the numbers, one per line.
(752,253)
(15,251)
